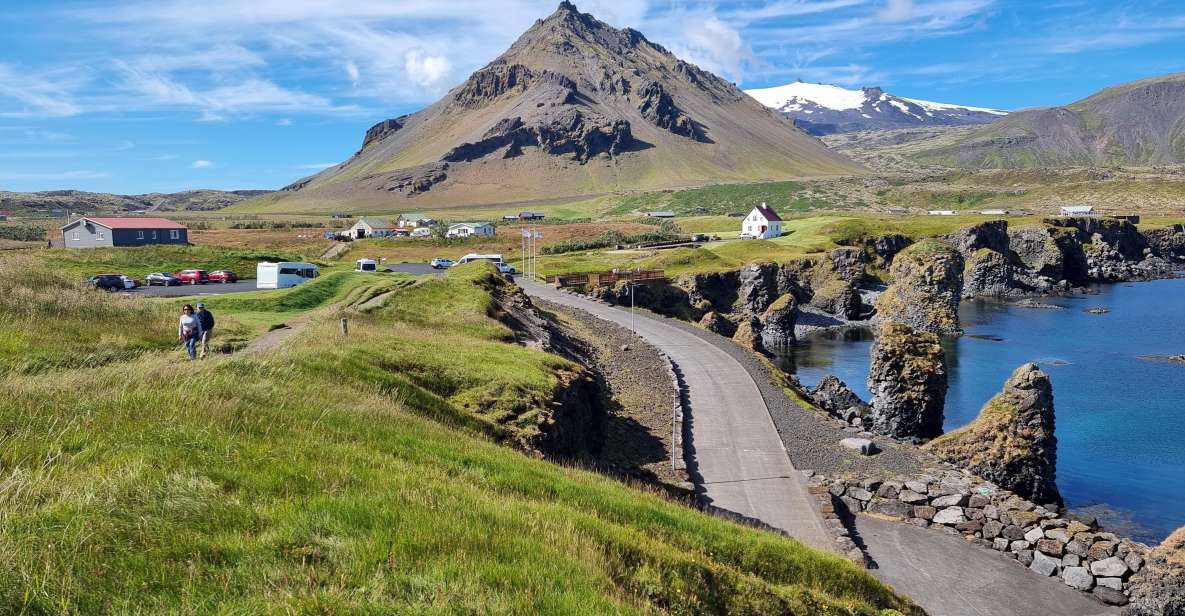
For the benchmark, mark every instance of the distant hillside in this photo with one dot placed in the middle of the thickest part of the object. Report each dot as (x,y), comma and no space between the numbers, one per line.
(1138,123)
(822,109)
(574,107)
(81,201)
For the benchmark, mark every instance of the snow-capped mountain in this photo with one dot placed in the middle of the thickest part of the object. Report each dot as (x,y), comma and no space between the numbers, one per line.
(822,109)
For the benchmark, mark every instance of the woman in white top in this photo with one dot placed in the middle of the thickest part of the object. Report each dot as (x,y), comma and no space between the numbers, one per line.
(189,330)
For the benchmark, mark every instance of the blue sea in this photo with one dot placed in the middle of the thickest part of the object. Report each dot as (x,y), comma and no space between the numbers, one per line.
(1120,419)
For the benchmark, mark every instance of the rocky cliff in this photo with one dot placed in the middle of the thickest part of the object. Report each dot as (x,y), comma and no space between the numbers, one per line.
(1011,443)
(926,290)
(1159,588)
(907,379)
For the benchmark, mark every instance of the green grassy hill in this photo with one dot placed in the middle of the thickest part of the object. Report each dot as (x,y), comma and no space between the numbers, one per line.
(358,475)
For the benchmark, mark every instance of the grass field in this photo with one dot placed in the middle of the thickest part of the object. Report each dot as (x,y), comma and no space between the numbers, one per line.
(354,475)
(141,261)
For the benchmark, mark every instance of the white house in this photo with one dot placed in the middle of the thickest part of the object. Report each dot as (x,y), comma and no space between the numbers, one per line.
(1077,210)
(370,227)
(943,213)
(469,229)
(994,212)
(421,232)
(762,223)
(413,221)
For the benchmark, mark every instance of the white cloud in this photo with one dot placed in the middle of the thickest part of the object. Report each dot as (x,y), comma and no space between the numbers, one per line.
(38,95)
(714,45)
(352,71)
(424,70)
(896,10)
(284,122)
(201,164)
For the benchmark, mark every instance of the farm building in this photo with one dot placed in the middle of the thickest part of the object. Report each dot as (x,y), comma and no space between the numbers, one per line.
(942,213)
(762,223)
(470,229)
(661,214)
(370,227)
(1077,210)
(104,232)
(413,221)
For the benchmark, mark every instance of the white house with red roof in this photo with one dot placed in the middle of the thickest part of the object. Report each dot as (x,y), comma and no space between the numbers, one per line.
(762,223)
(98,232)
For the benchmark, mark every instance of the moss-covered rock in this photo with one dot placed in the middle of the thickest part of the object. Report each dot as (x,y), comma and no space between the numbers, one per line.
(777,323)
(1011,443)
(926,290)
(907,379)
(1158,589)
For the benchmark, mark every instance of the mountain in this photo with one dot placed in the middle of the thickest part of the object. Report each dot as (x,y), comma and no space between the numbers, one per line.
(822,109)
(574,107)
(1137,123)
(81,201)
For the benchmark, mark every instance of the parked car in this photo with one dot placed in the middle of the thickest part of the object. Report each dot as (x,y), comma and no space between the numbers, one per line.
(107,282)
(223,276)
(193,276)
(439,263)
(129,282)
(506,268)
(162,279)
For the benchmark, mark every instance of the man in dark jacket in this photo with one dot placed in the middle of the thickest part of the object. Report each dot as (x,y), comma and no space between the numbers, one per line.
(206,318)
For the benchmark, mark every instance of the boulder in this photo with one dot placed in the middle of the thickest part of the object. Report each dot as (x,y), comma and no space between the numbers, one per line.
(713,322)
(949,516)
(1110,596)
(840,298)
(926,289)
(924,512)
(911,497)
(777,323)
(1109,567)
(1011,443)
(1045,565)
(1034,535)
(988,274)
(835,397)
(748,334)
(1078,578)
(893,508)
(992,529)
(950,500)
(907,378)
(861,445)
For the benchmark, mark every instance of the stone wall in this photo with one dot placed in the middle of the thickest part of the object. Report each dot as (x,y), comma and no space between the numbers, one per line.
(1077,551)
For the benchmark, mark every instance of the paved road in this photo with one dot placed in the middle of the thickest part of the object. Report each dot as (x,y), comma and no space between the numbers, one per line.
(735,456)
(946,575)
(211,288)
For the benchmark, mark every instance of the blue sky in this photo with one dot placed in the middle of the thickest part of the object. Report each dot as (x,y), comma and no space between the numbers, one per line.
(165,95)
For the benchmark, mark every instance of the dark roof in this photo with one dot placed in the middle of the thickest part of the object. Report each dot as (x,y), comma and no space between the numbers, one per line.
(131,223)
(768,212)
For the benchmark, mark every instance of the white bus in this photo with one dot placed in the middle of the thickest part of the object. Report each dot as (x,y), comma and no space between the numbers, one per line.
(496,258)
(283,275)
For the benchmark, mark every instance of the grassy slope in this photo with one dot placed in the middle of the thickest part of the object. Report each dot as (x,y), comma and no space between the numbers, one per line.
(142,261)
(333,476)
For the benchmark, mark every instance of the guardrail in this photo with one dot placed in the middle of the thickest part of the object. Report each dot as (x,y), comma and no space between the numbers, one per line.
(597,279)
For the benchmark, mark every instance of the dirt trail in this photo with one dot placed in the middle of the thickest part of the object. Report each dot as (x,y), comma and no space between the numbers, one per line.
(333,251)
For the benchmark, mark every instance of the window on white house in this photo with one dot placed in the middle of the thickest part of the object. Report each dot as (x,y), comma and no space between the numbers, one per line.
(175,234)
(99,234)
(75,237)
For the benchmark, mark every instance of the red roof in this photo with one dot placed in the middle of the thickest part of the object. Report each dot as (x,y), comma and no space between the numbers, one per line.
(768,212)
(134,223)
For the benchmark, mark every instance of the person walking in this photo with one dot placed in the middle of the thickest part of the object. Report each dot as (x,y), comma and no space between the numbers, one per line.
(206,319)
(189,330)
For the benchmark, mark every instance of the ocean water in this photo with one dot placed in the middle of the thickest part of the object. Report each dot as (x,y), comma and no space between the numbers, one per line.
(1120,419)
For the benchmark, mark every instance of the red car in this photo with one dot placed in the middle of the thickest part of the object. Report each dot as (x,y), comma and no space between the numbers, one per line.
(223,276)
(193,276)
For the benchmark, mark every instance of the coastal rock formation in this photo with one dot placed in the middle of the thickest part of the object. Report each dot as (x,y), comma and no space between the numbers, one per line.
(885,247)
(1158,589)
(991,235)
(927,286)
(1168,242)
(907,380)
(835,397)
(988,273)
(777,323)
(1011,443)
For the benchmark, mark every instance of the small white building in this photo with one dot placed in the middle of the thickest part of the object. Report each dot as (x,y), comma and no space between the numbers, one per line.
(470,229)
(994,212)
(1077,210)
(413,221)
(370,227)
(421,232)
(943,213)
(762,223)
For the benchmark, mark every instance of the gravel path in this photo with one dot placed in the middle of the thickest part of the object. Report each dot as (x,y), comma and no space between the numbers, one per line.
(638,433)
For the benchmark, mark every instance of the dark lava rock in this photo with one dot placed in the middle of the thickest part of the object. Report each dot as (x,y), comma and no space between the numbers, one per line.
(655,104)
(835,397)
(907,379)
(991,235)
(1011,443)
(926,290)
(988,274)
(777,323)
(1158,589)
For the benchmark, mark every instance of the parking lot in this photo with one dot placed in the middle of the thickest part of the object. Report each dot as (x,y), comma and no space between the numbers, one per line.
(210,288)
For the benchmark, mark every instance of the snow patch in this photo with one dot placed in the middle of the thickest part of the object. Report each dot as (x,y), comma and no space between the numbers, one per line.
(932,106)
(831,97)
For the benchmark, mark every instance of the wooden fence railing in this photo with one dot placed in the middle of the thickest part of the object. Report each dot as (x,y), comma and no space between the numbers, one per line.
(597,279)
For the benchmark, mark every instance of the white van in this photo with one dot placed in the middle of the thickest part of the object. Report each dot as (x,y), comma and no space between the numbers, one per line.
(366,265)
(283,275)
(476,257)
